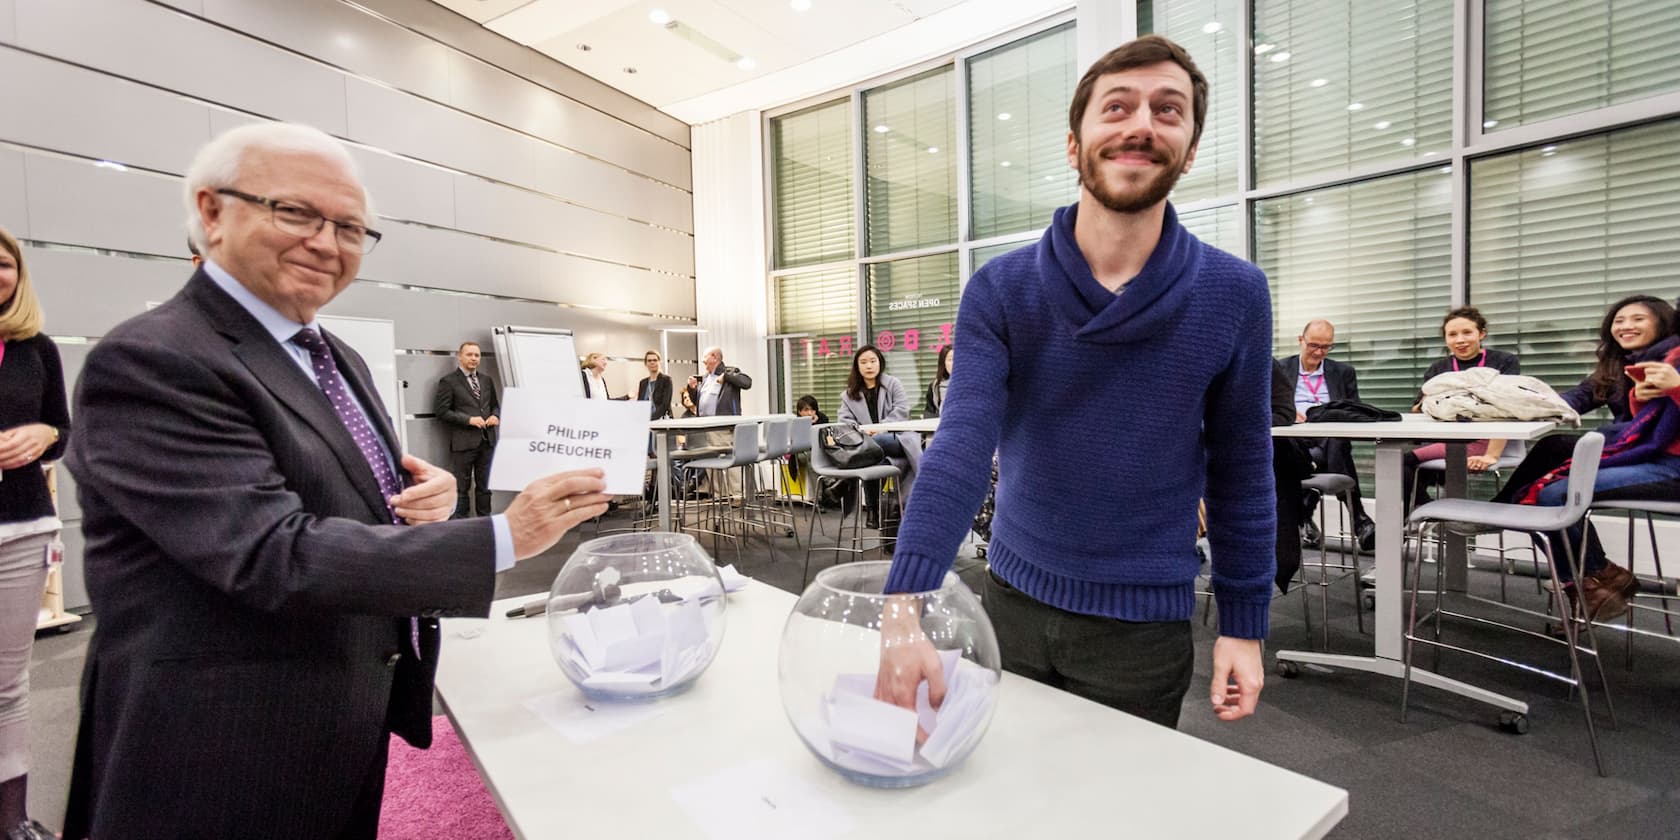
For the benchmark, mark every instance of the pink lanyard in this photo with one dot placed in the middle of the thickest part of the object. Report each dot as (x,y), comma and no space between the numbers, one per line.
(1313,387)
(1479,362)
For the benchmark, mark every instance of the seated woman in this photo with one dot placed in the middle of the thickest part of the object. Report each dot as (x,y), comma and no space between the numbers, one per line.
(827,490)
(873,396)
(1642,462)
(1464,330)
(941,379)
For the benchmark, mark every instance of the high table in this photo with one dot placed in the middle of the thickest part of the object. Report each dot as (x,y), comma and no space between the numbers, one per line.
(926,425)
(1392,440)
(1052,765)
(664,438)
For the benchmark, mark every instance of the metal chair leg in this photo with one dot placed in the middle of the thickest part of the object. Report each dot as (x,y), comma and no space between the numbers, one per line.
(1571,638)
(1411,620)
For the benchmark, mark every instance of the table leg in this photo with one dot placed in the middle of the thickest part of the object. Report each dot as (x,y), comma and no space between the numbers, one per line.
(1456,486)
(662,440)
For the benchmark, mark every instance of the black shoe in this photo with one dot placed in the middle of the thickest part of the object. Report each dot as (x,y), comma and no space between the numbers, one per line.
(1368,536)
(1310,537)
(871,519)
(29,830)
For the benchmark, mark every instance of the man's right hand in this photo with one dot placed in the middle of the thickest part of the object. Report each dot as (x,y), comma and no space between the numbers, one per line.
(550,506)
(907,658)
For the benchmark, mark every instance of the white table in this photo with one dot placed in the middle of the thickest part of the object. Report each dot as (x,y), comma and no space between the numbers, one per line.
(665,434)
(1052,765)
(926,425)
(1392,440)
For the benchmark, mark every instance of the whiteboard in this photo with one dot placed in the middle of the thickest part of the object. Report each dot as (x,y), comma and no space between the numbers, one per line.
(538,357)
(375,340)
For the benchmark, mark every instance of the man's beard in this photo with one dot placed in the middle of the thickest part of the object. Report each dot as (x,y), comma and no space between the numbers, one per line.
(1150,194)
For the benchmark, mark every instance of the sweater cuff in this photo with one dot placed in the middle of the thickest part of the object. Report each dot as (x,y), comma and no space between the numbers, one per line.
(1244,619)
(915,573)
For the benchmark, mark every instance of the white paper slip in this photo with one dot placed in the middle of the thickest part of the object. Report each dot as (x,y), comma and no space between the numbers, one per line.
(733,581)
(545,431)
(760,800)
(882,729)
(582,720)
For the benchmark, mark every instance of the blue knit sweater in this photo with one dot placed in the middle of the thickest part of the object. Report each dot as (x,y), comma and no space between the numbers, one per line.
(1111,416)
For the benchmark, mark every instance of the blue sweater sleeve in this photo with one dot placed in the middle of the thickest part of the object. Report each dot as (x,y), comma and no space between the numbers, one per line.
(956,471)
(1242,521)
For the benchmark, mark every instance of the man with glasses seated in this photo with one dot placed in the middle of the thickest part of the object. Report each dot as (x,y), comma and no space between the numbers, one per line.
(1319,379)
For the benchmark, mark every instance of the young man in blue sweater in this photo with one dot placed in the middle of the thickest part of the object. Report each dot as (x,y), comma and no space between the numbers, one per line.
(1135,365)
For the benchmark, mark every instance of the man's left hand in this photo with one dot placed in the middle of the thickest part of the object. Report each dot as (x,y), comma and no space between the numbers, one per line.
(431,499)
(492,420)
(1238,674)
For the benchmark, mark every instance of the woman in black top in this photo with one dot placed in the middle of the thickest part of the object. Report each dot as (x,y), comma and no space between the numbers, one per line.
(1464,330)
(941,378)
(34,425)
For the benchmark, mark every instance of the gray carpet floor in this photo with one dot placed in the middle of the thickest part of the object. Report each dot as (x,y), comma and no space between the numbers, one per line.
(1448,772)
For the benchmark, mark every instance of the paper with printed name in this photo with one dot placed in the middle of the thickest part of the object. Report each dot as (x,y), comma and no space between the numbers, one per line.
(543,432)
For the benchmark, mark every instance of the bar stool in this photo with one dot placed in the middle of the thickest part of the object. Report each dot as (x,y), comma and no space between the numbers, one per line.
(743,456)
(822,467)
(1338,486)
(778,441)
(1508,460)
(1634,508)
(1467,516)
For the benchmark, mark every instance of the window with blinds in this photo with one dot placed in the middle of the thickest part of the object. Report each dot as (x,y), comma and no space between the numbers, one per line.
(812,190)
(1210,30)
(1560,232)
(912,310)
(1217,226)
(910,195)
(1374,257)
(984,255)
(1017,132)
(1342,85)
(1546,58)
(824,304)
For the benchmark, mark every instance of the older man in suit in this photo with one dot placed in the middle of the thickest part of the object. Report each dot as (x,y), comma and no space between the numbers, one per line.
(1319,379)
(267,566)
(467,402)
(716,392)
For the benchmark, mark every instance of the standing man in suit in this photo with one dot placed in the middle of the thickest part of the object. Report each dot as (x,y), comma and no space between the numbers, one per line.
(715,393)
(267,566)
(1319,379)
(469,405)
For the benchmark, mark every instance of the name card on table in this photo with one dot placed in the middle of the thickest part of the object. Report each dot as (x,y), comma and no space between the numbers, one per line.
(545,432)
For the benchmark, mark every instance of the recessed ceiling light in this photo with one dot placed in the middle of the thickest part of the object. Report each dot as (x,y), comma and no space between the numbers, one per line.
(1212,26)
(933,150)
(659,17)
(1382,126)
(1446,170)
(1049,177)
(1408,141)
(111,164)
(1004,164)
(745,62)
(1262,49)
(800,5)
(631,71)
(1319,82)
(1004,116)
(1548,151)
(584,48)
(1356,106)
(1309,199)
(1280,58)
(1489,123)
(1430,154)
(882,129)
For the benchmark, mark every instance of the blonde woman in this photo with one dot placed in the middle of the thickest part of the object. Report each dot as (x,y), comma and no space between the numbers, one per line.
(34,426)
(595,378)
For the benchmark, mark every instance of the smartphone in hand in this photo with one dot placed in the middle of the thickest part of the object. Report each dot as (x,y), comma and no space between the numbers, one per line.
(1634,372)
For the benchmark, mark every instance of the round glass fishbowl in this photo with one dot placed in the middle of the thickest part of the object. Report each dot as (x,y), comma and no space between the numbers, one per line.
(855,667)
(636,616)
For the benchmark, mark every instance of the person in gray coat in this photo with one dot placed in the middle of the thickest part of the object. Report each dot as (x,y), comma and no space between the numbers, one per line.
(873,396)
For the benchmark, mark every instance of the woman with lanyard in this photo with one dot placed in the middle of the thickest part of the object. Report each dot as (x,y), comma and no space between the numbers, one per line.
(1464,330)
(34,426)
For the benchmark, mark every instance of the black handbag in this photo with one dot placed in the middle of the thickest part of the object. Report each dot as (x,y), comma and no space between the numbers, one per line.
(850,449)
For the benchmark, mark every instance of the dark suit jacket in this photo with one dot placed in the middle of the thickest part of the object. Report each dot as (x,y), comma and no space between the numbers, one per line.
(253,647)
(729,398)
(661,395)
(454,404)
(1339,378)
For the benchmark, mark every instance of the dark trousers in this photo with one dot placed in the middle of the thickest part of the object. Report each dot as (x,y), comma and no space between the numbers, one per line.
(1139,668)
(1335,455)
(364,816)
(472,479)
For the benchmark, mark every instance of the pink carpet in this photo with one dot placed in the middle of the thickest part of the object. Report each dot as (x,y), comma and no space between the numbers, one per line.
(437,792)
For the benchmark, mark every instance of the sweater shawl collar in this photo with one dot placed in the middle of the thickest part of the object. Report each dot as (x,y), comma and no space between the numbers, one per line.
(1150,300)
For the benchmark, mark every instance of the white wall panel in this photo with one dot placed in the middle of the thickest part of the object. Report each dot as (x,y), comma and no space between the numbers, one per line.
(390,119)
(514,102)
(404,189)
(14,206)
(79,203)
(87,294)
(68,109)
(75,590)
(162,46)
(343,36)
(498,210)
(608,188)
(8,31)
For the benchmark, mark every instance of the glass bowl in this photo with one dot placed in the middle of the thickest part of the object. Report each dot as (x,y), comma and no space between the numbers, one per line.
(831,654)
(636,616)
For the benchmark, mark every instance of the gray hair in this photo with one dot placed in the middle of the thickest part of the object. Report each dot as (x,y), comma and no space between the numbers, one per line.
(713,349)
(217,164)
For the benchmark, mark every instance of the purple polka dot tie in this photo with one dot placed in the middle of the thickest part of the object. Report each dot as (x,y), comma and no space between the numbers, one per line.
(326,375)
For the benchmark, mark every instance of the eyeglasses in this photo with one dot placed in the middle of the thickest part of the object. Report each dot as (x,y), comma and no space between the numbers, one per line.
(1313,345)
(302,221)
